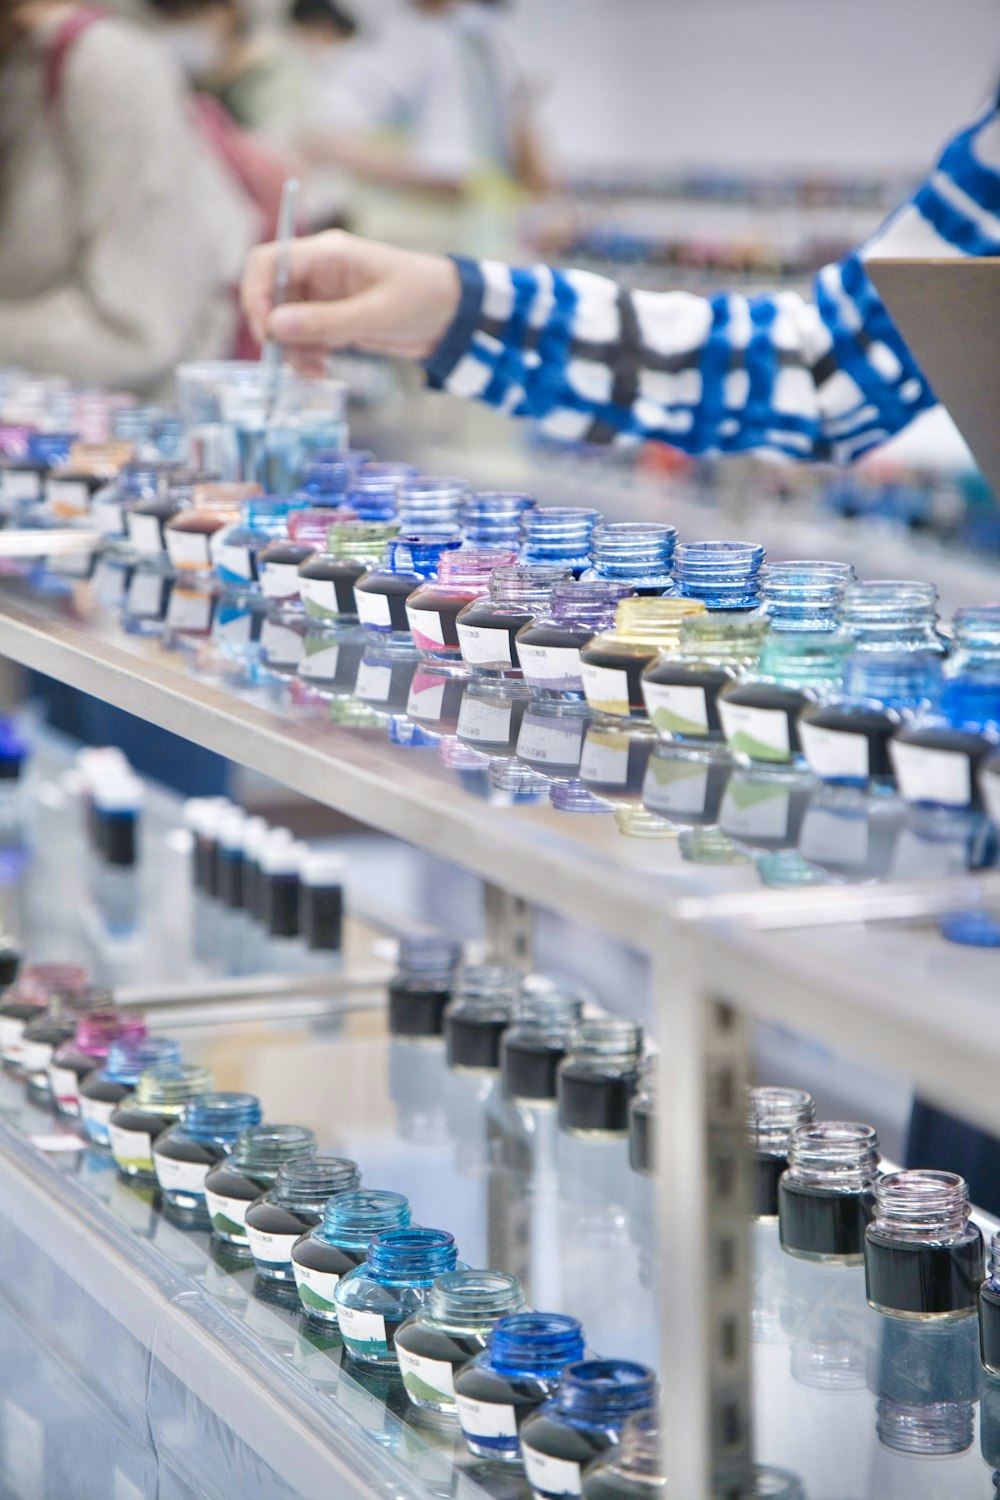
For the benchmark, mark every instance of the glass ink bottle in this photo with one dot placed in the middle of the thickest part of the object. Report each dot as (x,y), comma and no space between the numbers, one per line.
(185,1153)
(147,516)
(478,1014)
(431,505)
(892,615)
(723,575)
(230,861)
(845,739)
(240,1179)
(633,1468)
(636,553)
(772,1115)
(381,595)
(976,641)
(117,818)
(159,1100)
(591,1405)
(189,533)
(295,1204)
(923,1256)
(41,1039)
(327,481)
(612,664)
(278,567)
(642,1120)
(378,1296)
(321,900)
(487,627)
(236,548)
(803,595)
(598,1076)
(536,1041)
(826,1197)
(433,607)
(559,536)
(38,986)
(760,712)
(937,758)
(104,1089)
(518,1371)
(375,489)
(327,579)
(549,647)
(281,883)
(95,1035)
(494,518)
(680,688)
(448,1330)
(419,992)
(340,1242)
(311,526)
(989,1311)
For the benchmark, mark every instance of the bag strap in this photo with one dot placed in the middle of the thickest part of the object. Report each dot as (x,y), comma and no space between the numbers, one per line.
(62,44)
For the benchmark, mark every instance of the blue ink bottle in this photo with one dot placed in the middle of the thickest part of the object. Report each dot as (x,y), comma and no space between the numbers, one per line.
(377,1297)
(104,1089)
(518,1371)
(495,518)
(184,1154)
(723,575)
(591,1405)
(804,595)
(636,553)
(339,1243)
(845,739)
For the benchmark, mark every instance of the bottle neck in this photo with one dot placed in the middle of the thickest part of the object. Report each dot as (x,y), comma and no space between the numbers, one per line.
(804,596)
(772,1114)
(606,1038)
(494,519)
(891,616)
(605,1390)
(127,1061)
(431,505)
(559,535)
(428,954)
(97,1032)
(634,552)
(419,556)
(538,1344)
(524,587)
(807,660)
(470,569)
(355,1218)
(264,1148)
(653,623)
(721,641)
(307,1184)
(724,575)
(835,1156)
(360,540)
(412,1257)
(977,635)
(922,1206)
(476,1298)
(588,605)
(169,1089)
(489,982)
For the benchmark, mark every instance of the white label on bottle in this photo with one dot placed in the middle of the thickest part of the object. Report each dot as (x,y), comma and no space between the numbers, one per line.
(229,1215)
(319,661)
(487,1419)
(188,549)
(361,1327)
(272,1249)
(373,682)
(426,623)
(316,1288)
(924,774)
(834,836)
(432,1379)
(676,709)
(760,733)
(64,1084)
(189,610)
(106,516)
(605,759)
(833,754)
(484,721)
(550,1477)
(755,811)
(279,580)
(676,786)
(132,1148)
(11,1032)
(36,1056)
(550,741)
(280,645)
(373,609)
(145,593)
(482,646)
(236,561)
(606,689)
(551,666)
(68,497)
(180,1176)
(989,785)
(144,533)
(97,1114)
(20,484)
(426,702)
(319,595)
(23,1452)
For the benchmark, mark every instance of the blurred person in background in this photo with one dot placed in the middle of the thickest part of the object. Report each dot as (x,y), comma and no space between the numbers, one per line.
(121,239)
(324,34)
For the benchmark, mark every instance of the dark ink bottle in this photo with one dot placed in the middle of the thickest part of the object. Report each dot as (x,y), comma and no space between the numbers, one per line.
(598,1076)
(321,900)
(586,1415)
(421,989)
(184,1154)
(240,1179)
(478,1015)
(989,1314)
(536,1042)
(642,1121)
(451,1328)
(826,1197)
(772,1115)
(518,1371)
(923,1256)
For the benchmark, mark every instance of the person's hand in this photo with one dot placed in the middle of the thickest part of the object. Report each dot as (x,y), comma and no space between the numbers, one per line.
(345,292)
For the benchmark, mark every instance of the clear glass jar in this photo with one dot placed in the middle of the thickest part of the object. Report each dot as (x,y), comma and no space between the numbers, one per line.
(772,1115)
(613,663)
(478,1014)
(104,1089)
(377,1297)
(535,1043)
(681,686)
(559,536)
(296,1203)
(431,504)
(518,1371)
(238,1180)
(804,595)
(760,712)
(340,1242)
(327,579)
(95,1035)
(598,1076)
(420,990)
(549,647)
(976,639)
(892,615)
(381,595)
(826,1197)
(923,1256)
(723,575)
(487,627)
(642,1120)
(586,1415)
(433,608)
(188,534)
(495,518)
(633,1468)
(235,549)
(448,1330)
(845,739)
(936,759)
(159,1100)
(185,1153)
(636,553)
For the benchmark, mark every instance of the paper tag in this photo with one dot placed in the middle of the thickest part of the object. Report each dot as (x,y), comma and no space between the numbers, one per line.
(427,1379)
(68,497)
(20,484)
(834,754)
(228,1215)
(188,549)
(319,596)
(145,593)
(676,786)
(280,645)
(144,532)
(181,1176)
(316,1288)
(760,812)
(426,626)
(279,580)
(189,610)
(357,1327)
(425,702)
(941,777)
(551,1478)
(65,1085)
(373,609)
(107,516)
(272,1249)
(132,1148)
(11,1032)
(760,733)
(484,721)
(492,1424)
(674,709)
(554,667)
(373,682)
(36,1056)
(96,1115)
(237,562)
(320,661)
(606,689)
(604,759)
(551,740)
(484,647)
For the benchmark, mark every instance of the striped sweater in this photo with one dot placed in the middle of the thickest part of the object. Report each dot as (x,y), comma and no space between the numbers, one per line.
(820,377)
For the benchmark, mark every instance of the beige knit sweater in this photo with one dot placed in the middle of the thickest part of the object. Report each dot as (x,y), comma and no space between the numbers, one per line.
(121,237)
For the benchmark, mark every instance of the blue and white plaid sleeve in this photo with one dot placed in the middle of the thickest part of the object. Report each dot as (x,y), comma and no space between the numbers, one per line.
(821,377)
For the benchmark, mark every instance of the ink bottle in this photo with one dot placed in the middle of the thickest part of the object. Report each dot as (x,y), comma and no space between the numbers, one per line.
(89,1049)
(236,548)
(202,817)
(598,1076)
(311,526)
(375,490)
(239,1180)
(632,1469)
(339,1243)
(612,664)
(117,814)
(923,1256)
(642,1120)
(280,883)
(826,1198)
(293,1205)
(231,862)
(686,781)
(760,712)
(494,518)
(549,647)
(41,1039)
(449,1329)
(378,1296)
(159,1100)
(185,1153)
(104,496)
(103,1090)
(772,1115)
(723,575)
(321,900)
(803,595)
(430,504)
(535,1043)
(892,615)
(256,832)
(278,565)
(478,1014)
(550,739)
(937,759)
(976,641)
(422,987)
(487,627)
(989,1311)
(845,739)
(326,482)
(681,687)
(147,515)
(516,1373)
(189,533)
(380,595)
(491,714)
(327,579)
(615,759)
(433,607)
(559,536)
(635,553)
(585,1416)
